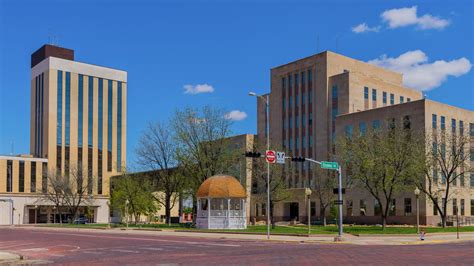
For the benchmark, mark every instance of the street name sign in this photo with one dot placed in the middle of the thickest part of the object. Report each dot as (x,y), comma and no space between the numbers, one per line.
(270,156)
(280,157)
(330,165)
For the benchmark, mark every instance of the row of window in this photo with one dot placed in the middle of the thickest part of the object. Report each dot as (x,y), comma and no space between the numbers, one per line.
(297,79)
(289,123)
(434,125)
(109,112)
(384,97)
(39,108)
(21,177)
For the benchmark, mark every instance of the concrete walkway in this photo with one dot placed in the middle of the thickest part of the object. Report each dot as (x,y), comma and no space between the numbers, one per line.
(432,238)
(9,258)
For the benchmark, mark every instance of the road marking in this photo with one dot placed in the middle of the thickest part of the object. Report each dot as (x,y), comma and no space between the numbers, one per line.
(35,249)
(152,248)
(125,251)
(148,239)
(16,245)
(92,252)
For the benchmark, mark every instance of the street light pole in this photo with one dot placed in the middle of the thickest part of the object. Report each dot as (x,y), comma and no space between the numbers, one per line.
(417,194)
(308,193)
(339,199)
(126,212)
(267,115)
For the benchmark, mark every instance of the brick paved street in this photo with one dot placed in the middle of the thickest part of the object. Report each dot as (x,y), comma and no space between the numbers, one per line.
(98,247)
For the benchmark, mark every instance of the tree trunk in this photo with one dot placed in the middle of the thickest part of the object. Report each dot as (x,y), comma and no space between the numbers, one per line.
(443,220)
(272,221)
(384,221)
(168,208)
(322,215)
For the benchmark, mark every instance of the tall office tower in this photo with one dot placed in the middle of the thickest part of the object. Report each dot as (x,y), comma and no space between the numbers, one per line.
(78,116)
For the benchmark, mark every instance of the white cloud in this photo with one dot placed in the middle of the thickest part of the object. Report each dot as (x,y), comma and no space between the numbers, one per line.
(407,16)
(236,115)
(196,89)
(363,27)
(418,73)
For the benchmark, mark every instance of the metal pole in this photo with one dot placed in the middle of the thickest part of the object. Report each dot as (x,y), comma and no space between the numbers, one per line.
(339,197)
(309,214)
(268,165)
(417,214)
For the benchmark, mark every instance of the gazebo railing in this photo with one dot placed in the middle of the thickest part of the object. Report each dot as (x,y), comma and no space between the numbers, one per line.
(222,213)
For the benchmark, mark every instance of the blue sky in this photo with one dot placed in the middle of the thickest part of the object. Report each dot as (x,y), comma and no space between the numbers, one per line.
(228,47)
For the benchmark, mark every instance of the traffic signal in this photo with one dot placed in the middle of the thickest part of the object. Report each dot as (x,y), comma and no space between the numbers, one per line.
(253,154)
(298,159)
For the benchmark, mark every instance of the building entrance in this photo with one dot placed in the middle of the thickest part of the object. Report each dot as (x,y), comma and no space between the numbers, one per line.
(294,210)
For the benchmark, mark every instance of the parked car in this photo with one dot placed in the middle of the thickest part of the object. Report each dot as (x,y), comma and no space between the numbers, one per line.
(81,220)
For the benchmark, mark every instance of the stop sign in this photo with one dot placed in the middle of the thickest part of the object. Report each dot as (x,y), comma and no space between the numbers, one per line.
(270,156)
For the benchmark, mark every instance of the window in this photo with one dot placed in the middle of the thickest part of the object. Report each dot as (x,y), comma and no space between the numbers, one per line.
(402,99)
(90,133)
(311,141)
(392,98)
(283,83)
(472,153)
(310,122)
(374,95)
(461,128)
(290,81)
(33,177)
(443,123)
(44,181)
(384,98)
(296,100)
(407,208)
(296,81)
(313,208)
(297,143)
(109,126)
(303,120)
(392,211)
(303,98)
(443,178)
(455,206)
(348,130)
(302,78)
(472,207)
(363,208)
(434,121)
(310,96)
(80,119)
(376,124)
(377,208)
(453,125)
(9,176)
(291,101)
(303,143)
(408,99)
(461,179)
(264,209)
(366,93)
(68,109)
(435,176)
(21,185)
(100,136)
(291,143)
(310,75)
(283,104)
(471,129)
(406,122)
(472,180)
(462,207)
(350,206)
(297,122)
(362,128)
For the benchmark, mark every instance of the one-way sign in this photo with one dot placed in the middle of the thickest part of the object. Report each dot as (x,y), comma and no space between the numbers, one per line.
(280,157)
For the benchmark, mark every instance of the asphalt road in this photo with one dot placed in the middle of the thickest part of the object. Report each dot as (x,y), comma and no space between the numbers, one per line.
(99,248)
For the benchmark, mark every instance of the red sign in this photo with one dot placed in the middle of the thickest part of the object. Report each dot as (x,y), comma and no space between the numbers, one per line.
(270,156)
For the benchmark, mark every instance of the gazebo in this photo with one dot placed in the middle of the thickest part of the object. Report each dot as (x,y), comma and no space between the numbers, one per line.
(221,204)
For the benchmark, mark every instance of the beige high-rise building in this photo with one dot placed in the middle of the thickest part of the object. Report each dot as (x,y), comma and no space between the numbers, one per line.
(78,120)
(306,97)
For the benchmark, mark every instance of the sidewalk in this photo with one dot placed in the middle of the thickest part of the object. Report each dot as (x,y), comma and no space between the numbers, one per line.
(6,257)
(434,238)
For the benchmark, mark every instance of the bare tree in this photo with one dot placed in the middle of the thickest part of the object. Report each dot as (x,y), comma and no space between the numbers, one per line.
(157,151)
(324,183)
(278,181)
(69,190)
(445,162)
(202,145)
(382,161)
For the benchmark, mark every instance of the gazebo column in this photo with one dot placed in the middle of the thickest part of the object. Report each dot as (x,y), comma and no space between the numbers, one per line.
(208,213)
(228,213)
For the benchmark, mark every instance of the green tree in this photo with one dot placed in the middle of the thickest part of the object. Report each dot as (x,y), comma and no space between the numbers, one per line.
(324,182)
(137,189)
(381,161)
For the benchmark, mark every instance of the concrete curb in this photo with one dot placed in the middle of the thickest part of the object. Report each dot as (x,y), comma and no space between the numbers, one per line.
(7,257)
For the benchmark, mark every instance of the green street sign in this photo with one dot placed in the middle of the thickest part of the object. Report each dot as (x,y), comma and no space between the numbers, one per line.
(330,165)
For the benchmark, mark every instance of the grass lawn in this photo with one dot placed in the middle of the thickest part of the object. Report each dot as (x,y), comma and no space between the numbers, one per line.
(299,229)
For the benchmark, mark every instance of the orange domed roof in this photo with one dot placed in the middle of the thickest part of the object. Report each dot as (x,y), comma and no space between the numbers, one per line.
(221,186)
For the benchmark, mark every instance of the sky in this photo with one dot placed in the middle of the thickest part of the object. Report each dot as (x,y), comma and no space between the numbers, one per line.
(193,53)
